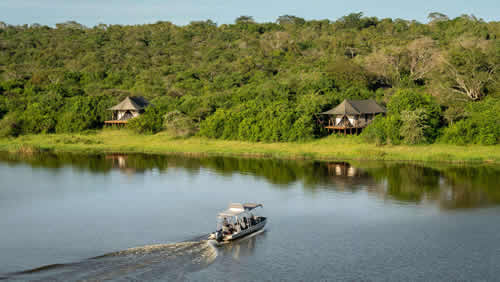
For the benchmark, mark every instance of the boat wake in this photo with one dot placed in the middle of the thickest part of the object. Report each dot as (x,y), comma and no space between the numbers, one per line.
(152,262)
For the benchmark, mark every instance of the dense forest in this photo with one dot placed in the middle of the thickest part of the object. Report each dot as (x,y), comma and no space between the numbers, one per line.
(257,81)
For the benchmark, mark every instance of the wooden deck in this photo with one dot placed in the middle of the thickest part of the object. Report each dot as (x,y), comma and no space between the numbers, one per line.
(344,129)
(116,122)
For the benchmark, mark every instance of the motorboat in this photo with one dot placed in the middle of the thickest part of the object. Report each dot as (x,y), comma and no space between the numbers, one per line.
(238,221)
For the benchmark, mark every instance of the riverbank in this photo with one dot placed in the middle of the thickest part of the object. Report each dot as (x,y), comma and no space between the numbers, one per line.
(330,148)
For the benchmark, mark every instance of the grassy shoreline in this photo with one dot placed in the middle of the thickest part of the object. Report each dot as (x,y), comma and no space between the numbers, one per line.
(331,148)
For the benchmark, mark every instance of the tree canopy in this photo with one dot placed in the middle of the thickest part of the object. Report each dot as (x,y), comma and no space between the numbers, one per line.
(256,81)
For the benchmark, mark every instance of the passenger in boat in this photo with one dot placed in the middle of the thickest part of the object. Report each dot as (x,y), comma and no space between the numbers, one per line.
(255,220)
(232,228)
(226,228)
(244,223)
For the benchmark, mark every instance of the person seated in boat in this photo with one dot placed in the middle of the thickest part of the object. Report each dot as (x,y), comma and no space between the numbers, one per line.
(244,224)
(255,219)
(252,220)
(231,228)
(226,228)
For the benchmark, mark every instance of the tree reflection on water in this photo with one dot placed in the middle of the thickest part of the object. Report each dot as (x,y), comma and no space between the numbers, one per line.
(450,186)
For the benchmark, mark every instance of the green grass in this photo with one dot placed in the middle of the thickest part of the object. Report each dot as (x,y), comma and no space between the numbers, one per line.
(330,148)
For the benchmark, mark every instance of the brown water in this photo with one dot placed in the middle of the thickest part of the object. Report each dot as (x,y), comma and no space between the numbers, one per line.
(127,217)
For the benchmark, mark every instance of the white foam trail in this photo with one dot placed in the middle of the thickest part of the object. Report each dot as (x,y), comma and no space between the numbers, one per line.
(151,262)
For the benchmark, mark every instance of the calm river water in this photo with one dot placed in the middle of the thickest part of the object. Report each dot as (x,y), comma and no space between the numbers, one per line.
(126,217)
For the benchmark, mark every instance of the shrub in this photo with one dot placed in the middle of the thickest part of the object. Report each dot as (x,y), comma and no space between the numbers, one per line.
(383,130)
(150,122)
(255,121)
(414,124)
(82,113)
(10,125)
(3,106)
(481,125)
(393,128)
(375,132)
(213,126)
(179,124)
(40,117)
(409,100)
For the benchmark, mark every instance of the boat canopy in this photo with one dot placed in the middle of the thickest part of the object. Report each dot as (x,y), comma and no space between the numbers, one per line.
(237,209)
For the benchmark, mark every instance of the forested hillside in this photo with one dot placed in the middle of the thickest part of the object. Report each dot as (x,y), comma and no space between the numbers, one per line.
(257,81)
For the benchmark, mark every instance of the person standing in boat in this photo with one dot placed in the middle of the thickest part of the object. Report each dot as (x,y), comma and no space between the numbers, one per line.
(226,229)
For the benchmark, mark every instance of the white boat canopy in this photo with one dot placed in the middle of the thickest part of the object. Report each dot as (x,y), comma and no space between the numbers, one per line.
(237,209)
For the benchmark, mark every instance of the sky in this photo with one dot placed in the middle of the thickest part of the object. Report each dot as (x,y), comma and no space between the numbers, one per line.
(182,12)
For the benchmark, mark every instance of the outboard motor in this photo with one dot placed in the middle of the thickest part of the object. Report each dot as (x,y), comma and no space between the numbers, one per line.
(218,236)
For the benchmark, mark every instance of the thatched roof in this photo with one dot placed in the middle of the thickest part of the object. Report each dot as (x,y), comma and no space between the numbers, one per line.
(356,107)
(133,103)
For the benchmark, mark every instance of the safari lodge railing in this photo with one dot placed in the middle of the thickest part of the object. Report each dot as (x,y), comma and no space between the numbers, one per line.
(346,126)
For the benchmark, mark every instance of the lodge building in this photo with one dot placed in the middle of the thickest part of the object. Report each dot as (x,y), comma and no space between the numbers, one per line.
(351,116)
(129,108)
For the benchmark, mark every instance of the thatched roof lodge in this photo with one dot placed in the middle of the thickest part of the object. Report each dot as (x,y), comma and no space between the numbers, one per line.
(352,115)
(129,108)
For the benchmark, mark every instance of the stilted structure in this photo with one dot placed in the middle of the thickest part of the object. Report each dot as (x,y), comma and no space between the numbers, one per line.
(351,116)
(129,108)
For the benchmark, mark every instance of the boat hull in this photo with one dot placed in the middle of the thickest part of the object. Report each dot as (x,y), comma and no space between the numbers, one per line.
(246,232)
(242,233)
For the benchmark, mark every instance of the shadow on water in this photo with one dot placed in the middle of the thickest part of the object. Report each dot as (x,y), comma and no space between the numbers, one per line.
(153,262)
(449,186)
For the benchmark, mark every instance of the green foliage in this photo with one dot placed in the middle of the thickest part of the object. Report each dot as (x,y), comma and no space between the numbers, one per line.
(3,106)
(481,125)
(254,81)
(414,125)
(383,130)
(83,113)
(289,19)
(375,132)
(437,17)
(278,121)
(469,72)
(150,122)
(179,124)
(357,21)
(40,115)
(10,125)
(346,73)
(244,19)
(454,113)
(425,106)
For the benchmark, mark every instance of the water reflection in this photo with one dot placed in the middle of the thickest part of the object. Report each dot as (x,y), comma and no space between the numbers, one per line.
(407,182)
(448,186)
(122,162)
(242,247)
(343,176)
